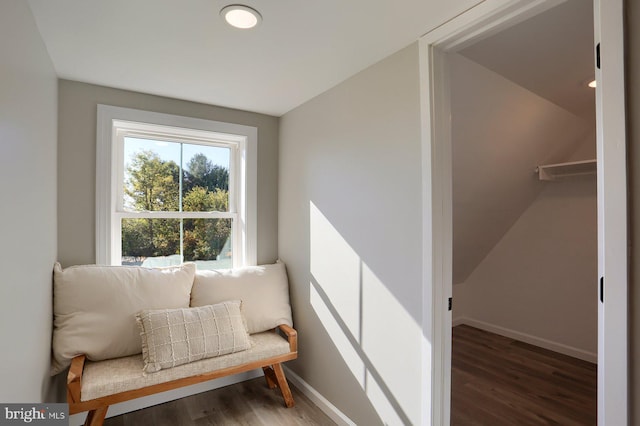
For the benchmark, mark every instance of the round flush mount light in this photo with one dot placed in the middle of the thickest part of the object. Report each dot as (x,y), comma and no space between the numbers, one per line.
(240,16)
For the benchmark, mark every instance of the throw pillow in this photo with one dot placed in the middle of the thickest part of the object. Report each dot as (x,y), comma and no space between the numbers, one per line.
(172,337)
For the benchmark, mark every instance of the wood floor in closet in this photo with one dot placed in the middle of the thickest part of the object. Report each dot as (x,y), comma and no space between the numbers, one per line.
(500,381)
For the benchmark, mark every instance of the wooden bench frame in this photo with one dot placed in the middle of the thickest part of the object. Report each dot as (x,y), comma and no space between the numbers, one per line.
(97,408)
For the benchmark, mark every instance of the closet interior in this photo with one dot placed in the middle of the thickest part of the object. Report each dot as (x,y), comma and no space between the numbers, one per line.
(524,185)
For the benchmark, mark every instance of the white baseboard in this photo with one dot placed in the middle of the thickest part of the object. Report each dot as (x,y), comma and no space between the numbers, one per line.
(161,398)
(528,338)
(457,321)
(327,407)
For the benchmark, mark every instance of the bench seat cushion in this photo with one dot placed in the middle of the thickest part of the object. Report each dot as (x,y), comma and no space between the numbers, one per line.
(118,375)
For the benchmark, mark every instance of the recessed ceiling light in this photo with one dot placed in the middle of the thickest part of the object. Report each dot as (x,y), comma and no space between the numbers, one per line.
(240,16)
(592,84)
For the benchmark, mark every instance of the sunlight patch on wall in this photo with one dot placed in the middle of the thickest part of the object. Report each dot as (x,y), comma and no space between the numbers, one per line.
(392,341)
(377,338)
(348,352)
(381,403)
(337,266)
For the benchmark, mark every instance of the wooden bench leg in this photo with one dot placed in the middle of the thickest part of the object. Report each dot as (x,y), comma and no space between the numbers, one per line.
(96,417)
(283,385)
(270,376)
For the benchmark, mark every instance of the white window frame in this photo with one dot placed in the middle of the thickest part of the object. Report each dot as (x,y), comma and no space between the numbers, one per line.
(116,123)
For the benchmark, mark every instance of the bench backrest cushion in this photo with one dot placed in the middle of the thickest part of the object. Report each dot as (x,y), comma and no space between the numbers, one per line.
(95,307)
(264,291)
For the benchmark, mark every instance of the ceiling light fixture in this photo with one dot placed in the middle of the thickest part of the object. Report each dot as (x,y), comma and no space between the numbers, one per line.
(240,16)
(592,84)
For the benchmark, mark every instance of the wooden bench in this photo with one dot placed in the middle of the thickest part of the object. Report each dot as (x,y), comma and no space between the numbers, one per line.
(97,407)
(95,331)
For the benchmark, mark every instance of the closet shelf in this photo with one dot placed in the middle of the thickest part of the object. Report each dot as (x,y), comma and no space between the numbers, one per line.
(562,170)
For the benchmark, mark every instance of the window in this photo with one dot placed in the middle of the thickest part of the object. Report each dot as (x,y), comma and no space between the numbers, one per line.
(173,189)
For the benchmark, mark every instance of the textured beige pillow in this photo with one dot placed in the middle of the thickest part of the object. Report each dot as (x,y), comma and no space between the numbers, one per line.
(173,337)
(95,307)
(264,291)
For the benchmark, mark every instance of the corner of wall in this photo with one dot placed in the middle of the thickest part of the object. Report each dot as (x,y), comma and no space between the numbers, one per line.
(28,108)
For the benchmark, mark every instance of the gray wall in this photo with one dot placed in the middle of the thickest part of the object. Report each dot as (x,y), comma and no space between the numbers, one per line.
(538,283)
(28,91)
(633,128)
(350,221)
(77,163)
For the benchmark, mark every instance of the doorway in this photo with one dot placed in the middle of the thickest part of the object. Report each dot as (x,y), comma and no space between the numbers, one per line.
(480,22)
(525,243)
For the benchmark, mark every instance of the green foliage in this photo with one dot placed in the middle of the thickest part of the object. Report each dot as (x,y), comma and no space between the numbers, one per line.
(153,185)
(136,240)
(205,200)
(205,238)
(203,173)
(150,237)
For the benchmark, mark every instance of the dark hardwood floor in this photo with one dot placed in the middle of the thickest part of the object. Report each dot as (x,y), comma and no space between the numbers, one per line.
(495,381)
(246,403)
(500,381)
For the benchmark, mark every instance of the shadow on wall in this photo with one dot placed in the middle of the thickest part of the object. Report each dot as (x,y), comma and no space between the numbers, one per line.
(377,338)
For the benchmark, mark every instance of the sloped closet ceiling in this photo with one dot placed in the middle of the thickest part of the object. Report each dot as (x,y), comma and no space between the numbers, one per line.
(519,99)
(500,133)
(551,54)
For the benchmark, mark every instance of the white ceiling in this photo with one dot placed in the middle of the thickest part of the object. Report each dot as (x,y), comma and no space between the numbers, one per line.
(182,49)
(551,54)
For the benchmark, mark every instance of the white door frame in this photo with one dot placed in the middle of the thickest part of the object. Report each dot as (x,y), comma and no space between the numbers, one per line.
(482,20)
(613,326)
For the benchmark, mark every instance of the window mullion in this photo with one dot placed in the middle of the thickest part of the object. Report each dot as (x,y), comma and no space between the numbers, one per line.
(180,183)
(175,215)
